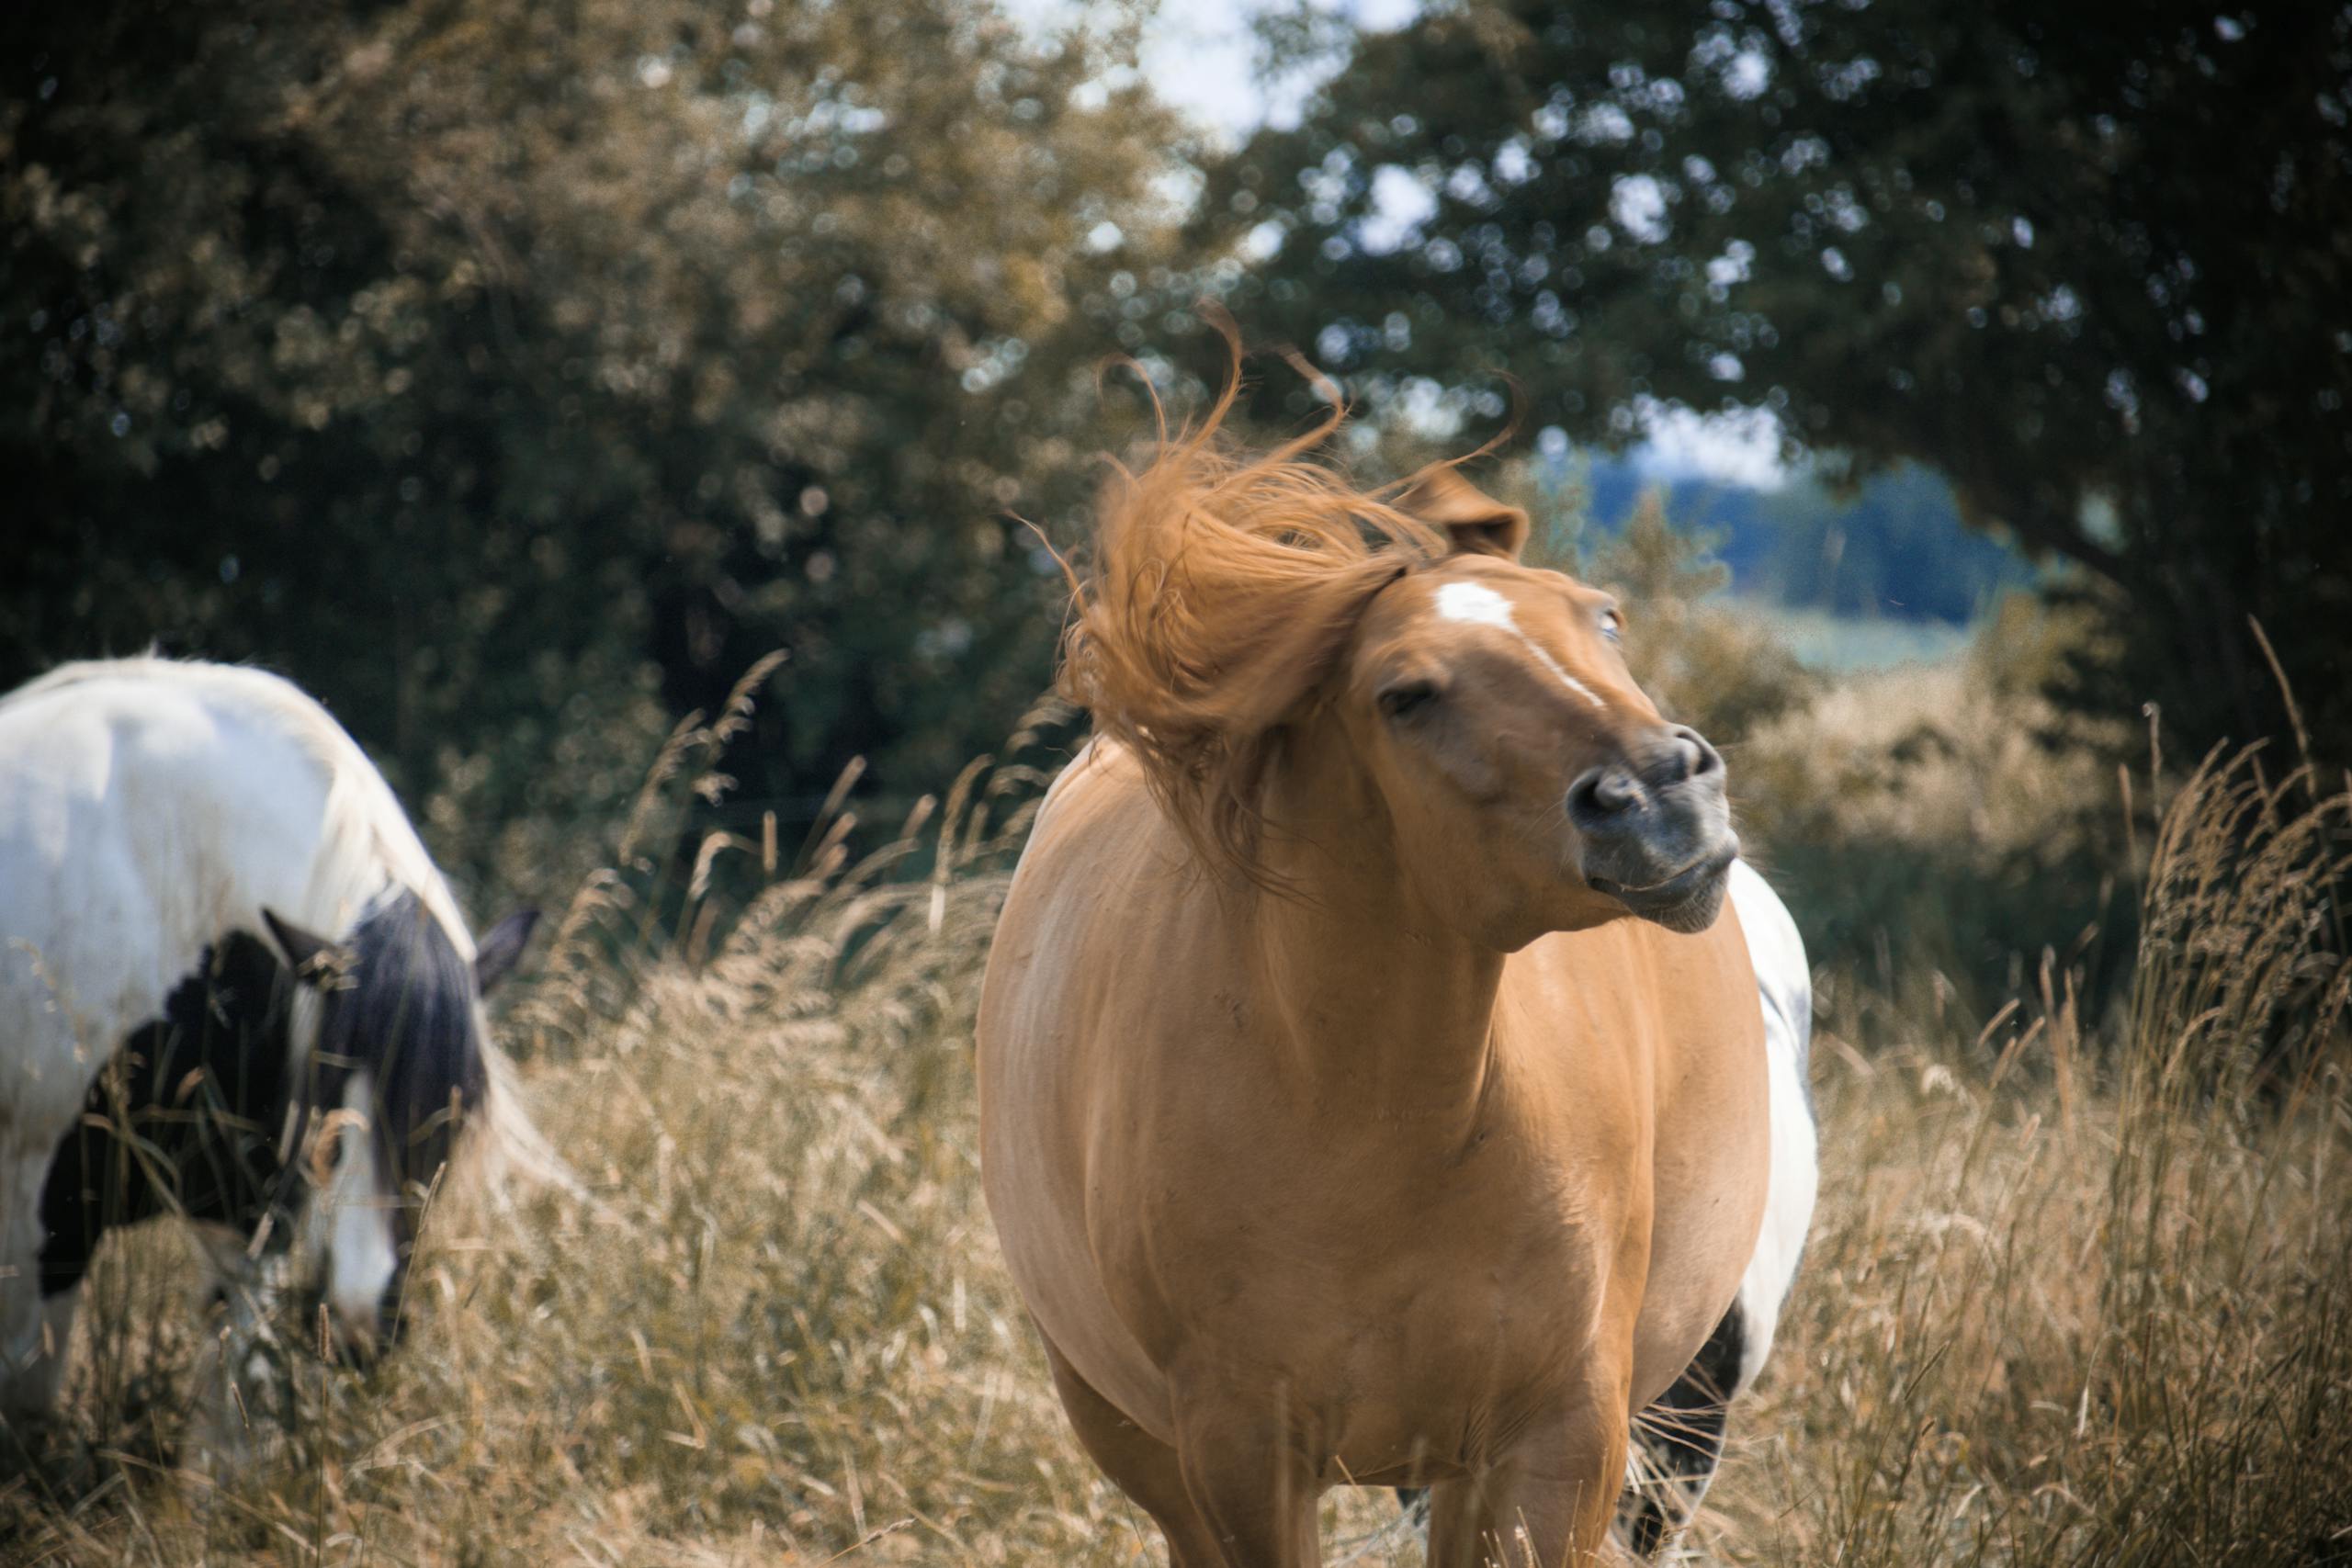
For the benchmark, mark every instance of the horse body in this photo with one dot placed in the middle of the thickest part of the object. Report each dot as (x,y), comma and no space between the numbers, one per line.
(1405,1203)
(167,831)
(1374,1079)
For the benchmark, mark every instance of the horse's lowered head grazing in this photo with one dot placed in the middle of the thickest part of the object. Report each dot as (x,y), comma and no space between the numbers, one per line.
(400,1050)
(1529,784)
(234,988)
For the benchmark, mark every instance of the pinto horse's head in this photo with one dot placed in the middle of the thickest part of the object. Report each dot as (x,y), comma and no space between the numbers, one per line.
(1531,782)
(397,1065)
(1254,617)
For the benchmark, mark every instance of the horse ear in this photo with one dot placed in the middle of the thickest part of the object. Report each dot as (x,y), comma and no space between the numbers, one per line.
(312,957)
(1478,522)
(500,947)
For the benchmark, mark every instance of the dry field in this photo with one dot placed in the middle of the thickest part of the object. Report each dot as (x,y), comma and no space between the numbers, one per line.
(2079,1291)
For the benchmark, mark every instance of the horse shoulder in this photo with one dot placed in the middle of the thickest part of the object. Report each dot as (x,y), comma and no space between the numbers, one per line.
(1650,1040)
(1678,1011)
(1100,852)
(1091,1016)
(112,878)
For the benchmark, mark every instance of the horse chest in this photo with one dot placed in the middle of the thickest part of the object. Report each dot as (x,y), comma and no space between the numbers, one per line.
(1413,1297)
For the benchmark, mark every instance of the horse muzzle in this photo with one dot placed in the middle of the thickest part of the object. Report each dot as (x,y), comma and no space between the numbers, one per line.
(1655,829)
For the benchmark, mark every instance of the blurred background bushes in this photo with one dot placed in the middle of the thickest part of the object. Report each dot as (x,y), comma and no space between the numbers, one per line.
(515,378)
(2090,266)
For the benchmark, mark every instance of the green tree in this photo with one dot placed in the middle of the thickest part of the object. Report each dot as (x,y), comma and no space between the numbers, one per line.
(515,375)
(2092,264)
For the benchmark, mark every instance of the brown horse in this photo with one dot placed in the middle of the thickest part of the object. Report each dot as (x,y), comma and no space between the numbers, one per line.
(1373,1086)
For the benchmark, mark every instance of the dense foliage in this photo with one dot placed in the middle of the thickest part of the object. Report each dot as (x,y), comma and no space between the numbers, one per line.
(515,378)
(2093,265)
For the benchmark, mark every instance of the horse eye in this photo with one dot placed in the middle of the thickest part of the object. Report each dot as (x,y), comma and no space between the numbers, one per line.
(1406,697)
(1612,625)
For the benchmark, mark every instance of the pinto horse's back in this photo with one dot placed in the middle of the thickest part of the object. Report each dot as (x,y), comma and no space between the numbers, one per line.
(148,807)
(1784,986)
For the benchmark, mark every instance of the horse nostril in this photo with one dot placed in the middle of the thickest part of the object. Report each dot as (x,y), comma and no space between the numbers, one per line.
(1704,758)
(1600,795)
(1688,755)
(1681,756)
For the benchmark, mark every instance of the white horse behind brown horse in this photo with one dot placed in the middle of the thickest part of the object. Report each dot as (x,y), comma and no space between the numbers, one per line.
(1374,1088)
(234,988)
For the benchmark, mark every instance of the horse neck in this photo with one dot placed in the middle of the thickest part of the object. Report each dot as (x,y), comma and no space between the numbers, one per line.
(1384,1007)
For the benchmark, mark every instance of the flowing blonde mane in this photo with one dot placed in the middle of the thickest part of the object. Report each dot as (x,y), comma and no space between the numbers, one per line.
(1222,586)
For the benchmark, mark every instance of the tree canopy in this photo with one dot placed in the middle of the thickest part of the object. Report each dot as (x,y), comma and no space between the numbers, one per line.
(517,376)
(2094,264)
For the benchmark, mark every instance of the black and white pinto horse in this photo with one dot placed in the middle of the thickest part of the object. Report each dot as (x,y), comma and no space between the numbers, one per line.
(1679,1440)
(232,986)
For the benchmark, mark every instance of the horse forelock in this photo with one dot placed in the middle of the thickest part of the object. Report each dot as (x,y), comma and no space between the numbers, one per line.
(407,1015)
(1222,590)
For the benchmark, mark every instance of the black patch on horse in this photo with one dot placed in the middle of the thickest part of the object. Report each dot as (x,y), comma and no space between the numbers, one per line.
(187,1116)
(1682,1434)
(193,1113)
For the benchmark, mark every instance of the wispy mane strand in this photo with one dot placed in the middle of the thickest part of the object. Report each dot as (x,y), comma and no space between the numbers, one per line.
(1221,587)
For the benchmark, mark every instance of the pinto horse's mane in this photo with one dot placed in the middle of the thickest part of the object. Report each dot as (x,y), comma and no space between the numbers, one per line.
(1221,587)
(411,996)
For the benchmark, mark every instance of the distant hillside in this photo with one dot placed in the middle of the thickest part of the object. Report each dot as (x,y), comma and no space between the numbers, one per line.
(1896,549)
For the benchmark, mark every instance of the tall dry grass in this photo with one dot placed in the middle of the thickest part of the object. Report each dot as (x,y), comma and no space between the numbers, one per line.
(2073,1297)
(2074,1301)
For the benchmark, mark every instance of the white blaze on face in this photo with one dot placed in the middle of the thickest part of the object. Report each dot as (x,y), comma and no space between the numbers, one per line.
(1474,604)
(360,1246)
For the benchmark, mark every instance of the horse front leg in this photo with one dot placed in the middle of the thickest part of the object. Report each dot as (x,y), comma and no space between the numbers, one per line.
(1248,1472)
(1144,1469)
(36,1327)
(238,1373)
(1549,1500)
(34,1335)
